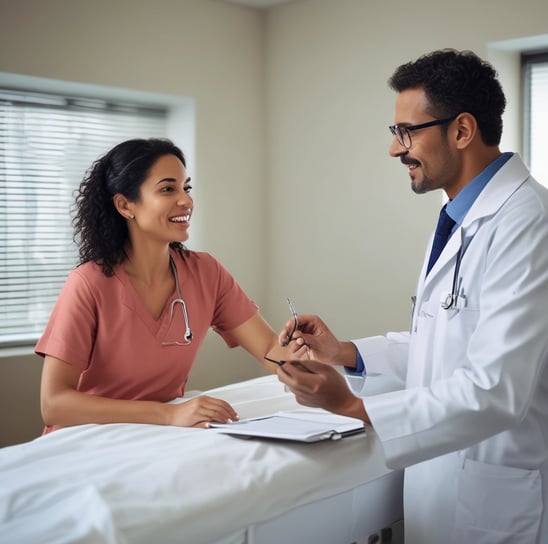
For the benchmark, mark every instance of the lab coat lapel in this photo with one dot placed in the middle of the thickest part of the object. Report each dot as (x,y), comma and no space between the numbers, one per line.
(496,193)
(504,183)
(449,251)
(426,283)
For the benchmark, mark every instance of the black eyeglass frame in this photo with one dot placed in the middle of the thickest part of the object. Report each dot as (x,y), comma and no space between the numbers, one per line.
(400,132)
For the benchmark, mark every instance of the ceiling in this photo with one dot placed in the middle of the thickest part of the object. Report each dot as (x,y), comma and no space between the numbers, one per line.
(260,4)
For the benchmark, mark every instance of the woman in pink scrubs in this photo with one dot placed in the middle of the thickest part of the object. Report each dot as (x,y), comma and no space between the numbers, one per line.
(128,323)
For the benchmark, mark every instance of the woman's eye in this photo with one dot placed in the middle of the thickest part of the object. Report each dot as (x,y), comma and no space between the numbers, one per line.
(188,188)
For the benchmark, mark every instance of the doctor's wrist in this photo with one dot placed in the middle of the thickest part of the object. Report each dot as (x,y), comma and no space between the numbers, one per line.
(355,407)
(346,355)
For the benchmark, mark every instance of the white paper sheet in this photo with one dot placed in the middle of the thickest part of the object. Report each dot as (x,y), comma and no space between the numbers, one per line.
(299,425)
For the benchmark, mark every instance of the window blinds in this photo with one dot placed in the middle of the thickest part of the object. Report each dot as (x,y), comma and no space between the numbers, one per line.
(536,115)
(47,143)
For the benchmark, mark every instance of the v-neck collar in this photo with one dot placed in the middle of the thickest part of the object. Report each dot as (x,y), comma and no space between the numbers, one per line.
(132,300)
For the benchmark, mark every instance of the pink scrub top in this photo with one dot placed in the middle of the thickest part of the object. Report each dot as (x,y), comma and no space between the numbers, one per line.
(100,325)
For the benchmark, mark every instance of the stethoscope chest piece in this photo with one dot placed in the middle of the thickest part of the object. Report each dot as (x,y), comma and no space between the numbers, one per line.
(449,301)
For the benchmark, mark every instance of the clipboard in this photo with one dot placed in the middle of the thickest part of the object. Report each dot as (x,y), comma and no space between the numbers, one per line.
(298,425)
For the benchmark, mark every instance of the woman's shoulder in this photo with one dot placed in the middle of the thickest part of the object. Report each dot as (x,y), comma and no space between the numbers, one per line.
(90,271)
(92,276)
(193,258)
(201,264)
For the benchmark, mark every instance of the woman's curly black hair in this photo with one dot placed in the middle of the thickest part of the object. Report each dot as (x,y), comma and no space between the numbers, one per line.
(456,82)
(99,230)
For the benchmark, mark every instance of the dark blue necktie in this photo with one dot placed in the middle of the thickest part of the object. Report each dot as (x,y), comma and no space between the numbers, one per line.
(443,231)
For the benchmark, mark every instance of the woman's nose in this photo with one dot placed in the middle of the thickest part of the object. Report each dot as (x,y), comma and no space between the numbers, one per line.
(184,199)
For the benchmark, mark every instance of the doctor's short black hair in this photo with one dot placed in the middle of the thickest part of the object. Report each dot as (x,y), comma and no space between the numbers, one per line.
(456,82)
(99,230)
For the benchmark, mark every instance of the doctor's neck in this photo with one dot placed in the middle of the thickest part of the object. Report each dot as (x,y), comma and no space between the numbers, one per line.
(473,162)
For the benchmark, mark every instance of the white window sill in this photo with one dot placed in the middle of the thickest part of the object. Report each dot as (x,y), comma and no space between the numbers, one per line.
(16,351)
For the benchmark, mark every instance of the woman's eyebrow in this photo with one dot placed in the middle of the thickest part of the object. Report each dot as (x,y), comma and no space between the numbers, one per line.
(173,180)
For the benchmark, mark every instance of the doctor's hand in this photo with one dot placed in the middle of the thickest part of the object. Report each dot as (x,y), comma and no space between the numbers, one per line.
(321,343)
(321,386)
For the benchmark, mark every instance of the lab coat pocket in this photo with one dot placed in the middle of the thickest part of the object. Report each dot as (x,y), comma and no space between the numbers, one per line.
(454,328)
(497,504)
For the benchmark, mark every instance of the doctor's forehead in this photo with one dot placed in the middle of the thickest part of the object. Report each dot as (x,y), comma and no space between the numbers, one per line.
(410,105)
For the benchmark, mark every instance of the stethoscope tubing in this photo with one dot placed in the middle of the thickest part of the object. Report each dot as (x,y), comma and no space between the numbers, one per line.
(180,300)
(451,299)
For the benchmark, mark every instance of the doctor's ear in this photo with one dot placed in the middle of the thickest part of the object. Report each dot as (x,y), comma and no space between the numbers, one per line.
(123,206)
(466,129)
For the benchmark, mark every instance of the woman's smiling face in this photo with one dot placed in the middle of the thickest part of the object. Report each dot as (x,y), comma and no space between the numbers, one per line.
(165,206)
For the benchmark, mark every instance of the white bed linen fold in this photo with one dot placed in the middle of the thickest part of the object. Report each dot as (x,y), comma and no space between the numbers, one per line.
(138,483)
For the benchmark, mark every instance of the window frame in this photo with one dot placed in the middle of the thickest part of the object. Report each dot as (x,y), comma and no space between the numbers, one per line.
(528,60)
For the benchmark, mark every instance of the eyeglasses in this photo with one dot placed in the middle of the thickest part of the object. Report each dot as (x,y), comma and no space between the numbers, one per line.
(403,133)
(295,322)
(298,364)
(290,335)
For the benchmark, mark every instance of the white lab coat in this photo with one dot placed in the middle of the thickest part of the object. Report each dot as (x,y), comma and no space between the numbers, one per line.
(471,424)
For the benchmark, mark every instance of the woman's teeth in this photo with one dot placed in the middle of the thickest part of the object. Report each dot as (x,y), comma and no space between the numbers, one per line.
(180,218)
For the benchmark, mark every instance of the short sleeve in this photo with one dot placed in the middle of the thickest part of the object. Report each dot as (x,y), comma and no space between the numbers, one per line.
(70,331)
(232,306)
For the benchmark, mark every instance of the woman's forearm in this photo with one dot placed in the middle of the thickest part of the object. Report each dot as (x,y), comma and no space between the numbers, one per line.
(70,407)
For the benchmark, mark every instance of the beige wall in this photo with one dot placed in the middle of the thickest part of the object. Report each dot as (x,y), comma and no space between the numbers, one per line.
(332,246)
(291,161)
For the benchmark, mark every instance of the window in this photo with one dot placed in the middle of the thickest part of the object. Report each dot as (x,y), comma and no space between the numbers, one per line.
(535,70)
(47,142)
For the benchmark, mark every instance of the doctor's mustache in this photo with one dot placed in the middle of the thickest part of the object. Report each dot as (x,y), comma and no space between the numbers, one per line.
(408,161)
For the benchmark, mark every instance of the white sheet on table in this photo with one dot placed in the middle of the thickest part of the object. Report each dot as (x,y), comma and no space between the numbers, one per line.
(146,483)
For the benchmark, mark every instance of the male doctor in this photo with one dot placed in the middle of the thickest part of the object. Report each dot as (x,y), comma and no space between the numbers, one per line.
(469,418)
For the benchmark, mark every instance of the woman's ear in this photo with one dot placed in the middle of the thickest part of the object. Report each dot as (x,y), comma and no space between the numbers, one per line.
(123,206)
(467,129)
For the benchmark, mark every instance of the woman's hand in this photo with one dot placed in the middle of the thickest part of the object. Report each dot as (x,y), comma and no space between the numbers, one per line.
(199,411)
(63,405)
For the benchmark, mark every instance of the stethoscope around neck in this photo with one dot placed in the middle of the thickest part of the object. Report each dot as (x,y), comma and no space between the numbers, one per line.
(450,301)
(179,300)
